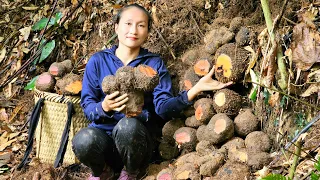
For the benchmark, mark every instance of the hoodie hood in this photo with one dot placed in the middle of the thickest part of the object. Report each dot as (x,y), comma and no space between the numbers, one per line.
(142,54)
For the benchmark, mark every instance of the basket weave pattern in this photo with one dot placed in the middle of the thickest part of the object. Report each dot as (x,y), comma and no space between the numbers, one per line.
(51,125)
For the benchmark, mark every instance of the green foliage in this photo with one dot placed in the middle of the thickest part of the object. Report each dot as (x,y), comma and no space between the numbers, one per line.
(31,84)
(300,120)
(316,175)
(266,96)
(41,24)
(254,90)
(275,177)
(47,49)
(283,101)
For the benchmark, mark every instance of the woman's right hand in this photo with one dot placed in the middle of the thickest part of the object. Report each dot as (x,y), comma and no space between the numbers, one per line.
(114,102)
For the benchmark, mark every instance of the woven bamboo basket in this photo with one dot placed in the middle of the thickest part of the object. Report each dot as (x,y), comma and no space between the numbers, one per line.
(51,124)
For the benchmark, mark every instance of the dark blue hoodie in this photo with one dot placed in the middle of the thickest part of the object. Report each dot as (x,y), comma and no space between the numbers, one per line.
(160,102)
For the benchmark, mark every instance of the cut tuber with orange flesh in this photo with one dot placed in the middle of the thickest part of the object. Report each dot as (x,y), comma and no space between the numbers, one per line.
(70,84)
(189,79)
(186,138)
(230,63)
(202,67)
(204,110)
(59,69)
(45,82)
(146,78)
(219,129)
(170,128)
(227,101)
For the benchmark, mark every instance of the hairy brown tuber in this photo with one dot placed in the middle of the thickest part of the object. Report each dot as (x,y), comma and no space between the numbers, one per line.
(186,138)
(70,84)
(219,129)
(216,38)
(170,128)
(125,78)
(205,147)
(168,151)
(193,122)
(59,69)
(109,84)
(135,103)
(256,160)
(45,82)
(186,171)
(258,141)
(245,123)
(235,24)
(243,36)
(215,161)
(230,63)
(204,110)
(232,170)
(227,101)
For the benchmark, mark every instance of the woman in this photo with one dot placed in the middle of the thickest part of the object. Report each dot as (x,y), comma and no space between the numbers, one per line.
(112,139)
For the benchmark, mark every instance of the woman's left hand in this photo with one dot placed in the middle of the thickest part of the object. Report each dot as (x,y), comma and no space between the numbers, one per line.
(206,83)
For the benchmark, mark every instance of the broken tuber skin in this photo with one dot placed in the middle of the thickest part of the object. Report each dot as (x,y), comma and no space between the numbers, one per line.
(206,83)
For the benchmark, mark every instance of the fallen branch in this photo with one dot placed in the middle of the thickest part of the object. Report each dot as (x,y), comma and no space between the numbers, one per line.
(283,81)
(295,160)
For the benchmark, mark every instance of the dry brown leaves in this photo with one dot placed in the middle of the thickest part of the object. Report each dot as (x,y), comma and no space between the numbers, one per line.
(305,46)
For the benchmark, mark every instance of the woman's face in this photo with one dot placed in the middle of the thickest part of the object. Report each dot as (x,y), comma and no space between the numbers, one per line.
(132,29)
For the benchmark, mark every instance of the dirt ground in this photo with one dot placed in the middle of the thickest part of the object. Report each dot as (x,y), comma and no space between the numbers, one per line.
(178,26)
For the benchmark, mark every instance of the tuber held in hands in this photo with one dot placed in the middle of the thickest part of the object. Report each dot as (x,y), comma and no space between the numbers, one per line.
(134,81)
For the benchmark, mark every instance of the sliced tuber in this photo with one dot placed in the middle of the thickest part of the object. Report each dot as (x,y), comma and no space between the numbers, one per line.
(146,78)
(186,138)
(219,129)
(189,79)
(202,66)
(227,101)
(70,84)
(230,63)
(170,128)
(45,82)
(59,69)
(165,174)
(204,110)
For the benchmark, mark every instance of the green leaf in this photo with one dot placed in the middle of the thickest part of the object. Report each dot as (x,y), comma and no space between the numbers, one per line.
(42,23)
(47,49)
(266,96)
(314,176)
(275,177)
(254,90)
(317,165)
(58,17)
(31,84)
(283,101)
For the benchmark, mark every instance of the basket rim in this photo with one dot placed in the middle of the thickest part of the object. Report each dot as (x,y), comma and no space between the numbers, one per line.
(54,97)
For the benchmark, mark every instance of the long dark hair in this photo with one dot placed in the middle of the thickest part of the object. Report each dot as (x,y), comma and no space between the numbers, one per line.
(118,15)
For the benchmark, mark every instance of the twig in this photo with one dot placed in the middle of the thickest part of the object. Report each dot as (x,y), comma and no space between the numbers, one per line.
(294,23)
(161,37)
(111,39)
(292,97)
(314,120)
(295,160)
(201,34)
(278,19)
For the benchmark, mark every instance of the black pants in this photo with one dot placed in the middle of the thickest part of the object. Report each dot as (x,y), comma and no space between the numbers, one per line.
(130,145)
